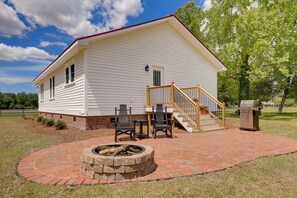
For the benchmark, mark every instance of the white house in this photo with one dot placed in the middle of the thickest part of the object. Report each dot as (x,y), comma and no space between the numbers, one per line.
(98,72)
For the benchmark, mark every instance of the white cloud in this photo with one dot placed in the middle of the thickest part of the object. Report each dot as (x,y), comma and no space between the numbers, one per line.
(16,53)
(47,43)
(10,23)
(115,12)
(23,68)
(12,79)
(207,5)
(74,16)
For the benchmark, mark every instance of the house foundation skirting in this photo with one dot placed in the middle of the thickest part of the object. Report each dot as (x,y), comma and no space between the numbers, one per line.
(87,122)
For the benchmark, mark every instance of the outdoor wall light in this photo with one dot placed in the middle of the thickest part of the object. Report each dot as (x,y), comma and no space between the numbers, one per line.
(147,68)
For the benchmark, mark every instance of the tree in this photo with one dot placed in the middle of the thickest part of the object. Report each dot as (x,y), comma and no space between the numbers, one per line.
(255,39)
(279,49)
(18,101)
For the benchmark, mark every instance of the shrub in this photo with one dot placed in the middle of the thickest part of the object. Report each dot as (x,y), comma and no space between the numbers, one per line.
(49,122)
(203,107)
(39,118)
(43,120)
(60,125)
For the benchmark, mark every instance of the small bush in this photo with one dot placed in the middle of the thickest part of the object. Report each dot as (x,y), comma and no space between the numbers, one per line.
(49,122)
(43,120)
(39,118)
(60,125)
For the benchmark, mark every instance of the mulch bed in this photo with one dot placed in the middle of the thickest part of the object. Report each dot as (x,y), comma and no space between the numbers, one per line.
(73,134)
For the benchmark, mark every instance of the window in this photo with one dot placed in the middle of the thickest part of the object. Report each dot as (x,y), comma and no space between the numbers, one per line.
(67,75)
(52,87)
(156,77)
(70,74)
(42,91)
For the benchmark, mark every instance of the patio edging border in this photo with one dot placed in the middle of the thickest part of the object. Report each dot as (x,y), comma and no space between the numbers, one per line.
(160,179)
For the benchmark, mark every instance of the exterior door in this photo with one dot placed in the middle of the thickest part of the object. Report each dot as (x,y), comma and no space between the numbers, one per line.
(157,76)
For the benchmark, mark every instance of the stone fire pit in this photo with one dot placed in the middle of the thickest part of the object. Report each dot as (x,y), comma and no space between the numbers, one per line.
(125,165)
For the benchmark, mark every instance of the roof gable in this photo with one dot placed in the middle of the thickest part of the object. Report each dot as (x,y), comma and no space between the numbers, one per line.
(71,50)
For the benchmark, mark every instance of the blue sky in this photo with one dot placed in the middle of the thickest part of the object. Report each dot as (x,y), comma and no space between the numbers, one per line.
(34,32)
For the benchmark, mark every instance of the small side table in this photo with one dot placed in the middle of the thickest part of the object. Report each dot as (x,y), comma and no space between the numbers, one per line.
(141,122)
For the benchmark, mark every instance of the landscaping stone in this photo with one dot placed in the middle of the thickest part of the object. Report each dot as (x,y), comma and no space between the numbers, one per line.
(98,166)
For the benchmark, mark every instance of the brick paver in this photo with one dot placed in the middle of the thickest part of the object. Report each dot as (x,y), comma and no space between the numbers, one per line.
(185,154)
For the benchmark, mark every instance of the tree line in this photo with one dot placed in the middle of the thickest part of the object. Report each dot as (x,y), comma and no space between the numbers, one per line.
(256,39)
(18,101)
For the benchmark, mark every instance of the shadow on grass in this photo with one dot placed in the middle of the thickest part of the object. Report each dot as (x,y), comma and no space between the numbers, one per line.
(287,116)
(279,116)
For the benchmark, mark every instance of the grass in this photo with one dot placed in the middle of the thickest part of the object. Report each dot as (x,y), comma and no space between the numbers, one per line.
(280,124)
(265,177)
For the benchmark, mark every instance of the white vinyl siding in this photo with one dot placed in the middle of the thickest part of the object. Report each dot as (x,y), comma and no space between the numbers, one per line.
(68,98)
(116,68)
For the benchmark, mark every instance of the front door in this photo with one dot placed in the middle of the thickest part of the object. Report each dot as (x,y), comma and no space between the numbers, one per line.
(157,76)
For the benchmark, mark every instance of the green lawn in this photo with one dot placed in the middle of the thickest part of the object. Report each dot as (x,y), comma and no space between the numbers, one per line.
(265,177)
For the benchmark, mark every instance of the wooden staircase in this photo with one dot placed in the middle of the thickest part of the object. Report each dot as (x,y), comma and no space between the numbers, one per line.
(185,110)
(207,123)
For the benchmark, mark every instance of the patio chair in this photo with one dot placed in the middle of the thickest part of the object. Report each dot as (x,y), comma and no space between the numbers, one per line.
(123,122)
(160,121)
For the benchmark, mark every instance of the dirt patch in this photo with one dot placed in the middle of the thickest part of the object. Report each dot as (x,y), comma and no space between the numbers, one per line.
(73,134)
(69,135)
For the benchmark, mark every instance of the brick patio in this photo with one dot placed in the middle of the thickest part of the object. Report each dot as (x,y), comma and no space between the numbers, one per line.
(186,154)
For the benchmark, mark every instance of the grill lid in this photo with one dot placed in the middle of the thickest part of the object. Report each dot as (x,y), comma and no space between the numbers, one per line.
(250,104)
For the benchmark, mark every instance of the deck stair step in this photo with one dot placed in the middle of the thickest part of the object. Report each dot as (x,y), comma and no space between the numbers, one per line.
(207,123)
(185,114)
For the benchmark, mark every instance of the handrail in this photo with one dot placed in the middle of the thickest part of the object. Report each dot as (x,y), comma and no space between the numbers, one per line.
(210,96)
(168,96)
(186,88)
(159,87)
(182,93)
(184,113)
(196,107)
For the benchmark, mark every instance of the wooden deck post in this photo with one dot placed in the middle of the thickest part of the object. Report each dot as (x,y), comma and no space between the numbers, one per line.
(223,115)
(172,94)
(198,107)
(148,99)
(172,104)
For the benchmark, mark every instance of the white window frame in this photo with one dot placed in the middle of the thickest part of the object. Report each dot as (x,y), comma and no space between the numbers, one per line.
(52,87)
(162,76)
(41,92)
(71,75)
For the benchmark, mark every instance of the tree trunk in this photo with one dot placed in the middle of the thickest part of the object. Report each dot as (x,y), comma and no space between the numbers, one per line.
(286,92)
(244,80)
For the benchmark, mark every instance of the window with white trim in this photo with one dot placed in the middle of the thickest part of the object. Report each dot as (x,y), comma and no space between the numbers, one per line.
(157,78)
(70,74)
(67,75)
(52,87)
(42,92)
